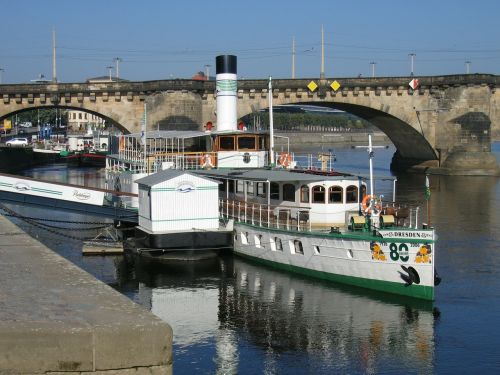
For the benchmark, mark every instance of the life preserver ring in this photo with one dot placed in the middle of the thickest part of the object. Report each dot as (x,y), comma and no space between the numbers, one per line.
(366,204)
(285,160)
(206,161)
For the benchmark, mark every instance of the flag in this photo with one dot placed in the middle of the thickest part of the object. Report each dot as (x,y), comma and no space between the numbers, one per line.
(427,192)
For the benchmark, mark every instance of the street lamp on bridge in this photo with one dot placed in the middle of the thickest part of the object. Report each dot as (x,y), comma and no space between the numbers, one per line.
(372,64)
(1,71)
(412,57)
(110,68)
(207,71)
(467,67)
(117,62)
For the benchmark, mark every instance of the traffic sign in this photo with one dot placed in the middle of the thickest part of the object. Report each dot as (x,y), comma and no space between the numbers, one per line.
(414,83)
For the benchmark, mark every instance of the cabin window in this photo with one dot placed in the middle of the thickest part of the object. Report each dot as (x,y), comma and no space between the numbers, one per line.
(244,238)
(250,188)
(304,194)
(258,240)
(262,143)
(289,192)
(335,194)
(246,143)
(297,247)
(231,186)
(239,186)
(318,194)
(226,143)
(275,190)
(222,187)
(279,245)
(351,194)
(261,189)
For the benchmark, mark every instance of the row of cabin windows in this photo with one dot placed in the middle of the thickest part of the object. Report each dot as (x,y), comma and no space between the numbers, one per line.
(239,143)
(335,194)
(316,194)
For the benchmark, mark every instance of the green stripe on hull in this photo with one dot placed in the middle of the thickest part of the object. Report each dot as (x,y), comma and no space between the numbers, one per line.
(414,291)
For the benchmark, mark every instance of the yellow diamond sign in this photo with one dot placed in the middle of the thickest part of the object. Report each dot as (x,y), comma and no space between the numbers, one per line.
(335,85)
(312,86)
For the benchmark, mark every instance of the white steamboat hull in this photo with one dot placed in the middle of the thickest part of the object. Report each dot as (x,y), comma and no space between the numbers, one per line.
(401,264)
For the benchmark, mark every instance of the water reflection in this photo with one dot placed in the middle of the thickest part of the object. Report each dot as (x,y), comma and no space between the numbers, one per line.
(240,307)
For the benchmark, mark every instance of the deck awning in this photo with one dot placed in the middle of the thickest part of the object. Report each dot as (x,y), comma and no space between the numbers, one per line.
(271,175)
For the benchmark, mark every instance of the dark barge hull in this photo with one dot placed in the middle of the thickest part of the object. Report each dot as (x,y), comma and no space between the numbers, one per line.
(192,245)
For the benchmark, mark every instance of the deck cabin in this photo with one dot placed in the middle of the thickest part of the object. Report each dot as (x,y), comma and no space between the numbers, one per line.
(160,150)
(318,201)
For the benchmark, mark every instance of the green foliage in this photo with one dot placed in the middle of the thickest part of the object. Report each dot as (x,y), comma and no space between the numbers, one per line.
(311,121)
(46,115)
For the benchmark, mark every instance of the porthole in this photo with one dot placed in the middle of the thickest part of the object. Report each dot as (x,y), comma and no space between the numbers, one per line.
(244,238)
(350,255)
(316,250)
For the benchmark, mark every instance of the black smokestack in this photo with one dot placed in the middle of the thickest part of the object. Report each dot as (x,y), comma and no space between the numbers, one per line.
(225,64)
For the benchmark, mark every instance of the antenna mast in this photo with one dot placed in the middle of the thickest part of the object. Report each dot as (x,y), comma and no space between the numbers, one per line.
(322,73)
(54,70)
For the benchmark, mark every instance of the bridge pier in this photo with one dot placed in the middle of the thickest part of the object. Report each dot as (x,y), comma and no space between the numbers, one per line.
(463,148)
(460,163)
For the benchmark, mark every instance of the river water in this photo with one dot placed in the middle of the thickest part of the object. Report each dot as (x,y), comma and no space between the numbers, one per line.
(231,316)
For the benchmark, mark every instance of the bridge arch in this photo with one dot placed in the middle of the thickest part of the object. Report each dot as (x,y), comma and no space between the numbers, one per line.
(108,120)
(410,143)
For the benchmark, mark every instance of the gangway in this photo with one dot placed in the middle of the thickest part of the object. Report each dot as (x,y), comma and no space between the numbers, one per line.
(67,197)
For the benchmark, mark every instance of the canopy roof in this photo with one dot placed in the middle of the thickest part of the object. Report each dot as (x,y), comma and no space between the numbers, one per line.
(272,175)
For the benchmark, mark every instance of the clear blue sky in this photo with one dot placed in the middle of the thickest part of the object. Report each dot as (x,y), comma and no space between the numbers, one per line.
(163,39)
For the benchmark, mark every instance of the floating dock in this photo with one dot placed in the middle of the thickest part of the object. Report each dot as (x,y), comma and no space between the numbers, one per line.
(57,318)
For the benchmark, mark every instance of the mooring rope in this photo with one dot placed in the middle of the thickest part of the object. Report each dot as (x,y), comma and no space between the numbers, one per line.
(51,228)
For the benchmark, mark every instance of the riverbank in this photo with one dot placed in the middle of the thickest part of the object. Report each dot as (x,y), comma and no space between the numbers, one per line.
(57,318)
(301,139)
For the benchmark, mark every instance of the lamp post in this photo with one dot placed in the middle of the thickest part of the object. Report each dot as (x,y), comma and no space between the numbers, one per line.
(1,71)
(207,71)
(412,57)
(117,62)
(467,67)
(109,69)
(373,68)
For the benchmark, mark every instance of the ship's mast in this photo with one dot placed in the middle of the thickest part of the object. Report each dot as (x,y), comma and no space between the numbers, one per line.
(271,123)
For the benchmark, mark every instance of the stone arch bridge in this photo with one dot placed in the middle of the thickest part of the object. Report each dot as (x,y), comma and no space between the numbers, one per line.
(444,126)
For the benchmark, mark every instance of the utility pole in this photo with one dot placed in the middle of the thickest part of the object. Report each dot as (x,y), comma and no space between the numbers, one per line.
(117,62)
(412,57)
(54,70)
(467,67)
(110,68)
(373,63)
(322,73)
(1,71)
(293,58)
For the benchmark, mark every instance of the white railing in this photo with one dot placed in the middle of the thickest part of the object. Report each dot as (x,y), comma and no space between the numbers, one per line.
(263,215)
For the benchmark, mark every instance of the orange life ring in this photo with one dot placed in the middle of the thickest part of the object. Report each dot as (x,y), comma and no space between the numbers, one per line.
(366,203)
(206,161)
(285,160)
